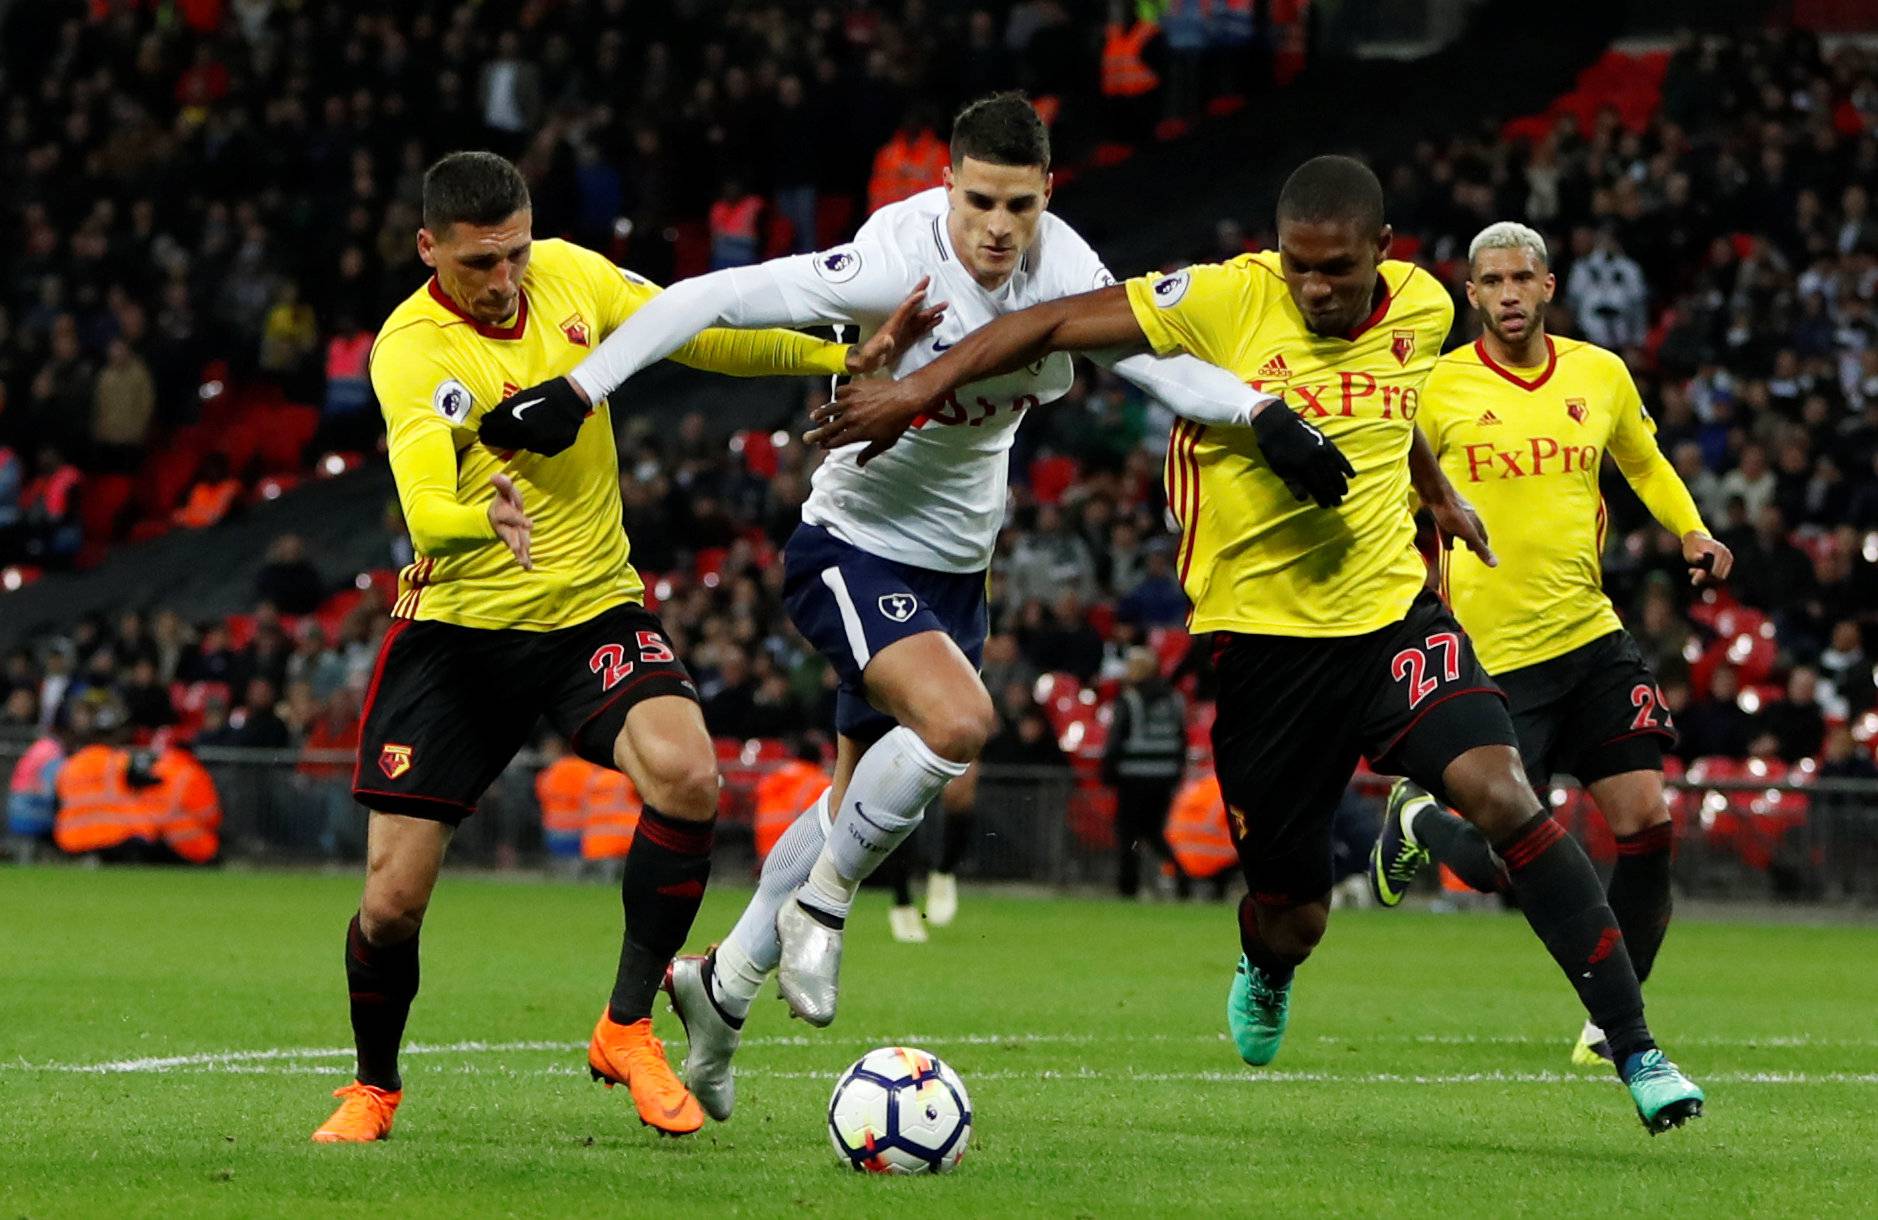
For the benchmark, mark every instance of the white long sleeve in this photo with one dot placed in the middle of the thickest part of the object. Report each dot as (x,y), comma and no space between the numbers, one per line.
(860,283)
(1190,387)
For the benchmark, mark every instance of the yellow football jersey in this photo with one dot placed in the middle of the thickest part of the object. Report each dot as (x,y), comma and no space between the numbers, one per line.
(1525,446)
(436,371)
(1252,558)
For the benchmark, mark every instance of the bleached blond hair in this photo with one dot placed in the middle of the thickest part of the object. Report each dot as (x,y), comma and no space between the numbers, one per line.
(1508,235)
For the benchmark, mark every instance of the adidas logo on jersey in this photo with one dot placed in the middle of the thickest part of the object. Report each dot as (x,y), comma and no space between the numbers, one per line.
(1275,369)
(1488,418)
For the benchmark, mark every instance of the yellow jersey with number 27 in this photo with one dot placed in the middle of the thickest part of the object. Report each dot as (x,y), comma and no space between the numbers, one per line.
(1253,559)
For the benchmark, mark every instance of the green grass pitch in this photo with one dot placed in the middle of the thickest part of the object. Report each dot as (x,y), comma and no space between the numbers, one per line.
(168,1042)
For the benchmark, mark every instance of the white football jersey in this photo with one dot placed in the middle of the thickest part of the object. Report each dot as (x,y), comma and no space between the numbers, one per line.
(936,499)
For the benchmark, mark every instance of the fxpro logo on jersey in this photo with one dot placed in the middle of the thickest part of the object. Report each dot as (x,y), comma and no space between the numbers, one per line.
(1541,455)
(452,400)
(838,266)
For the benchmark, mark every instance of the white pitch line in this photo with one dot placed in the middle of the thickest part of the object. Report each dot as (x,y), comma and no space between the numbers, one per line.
(259,1060)
(292,1067)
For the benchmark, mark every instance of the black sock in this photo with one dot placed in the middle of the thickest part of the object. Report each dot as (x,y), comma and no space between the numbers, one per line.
(1458,843)
(1639,892)
(666,868)
(383,981)
(1277,970)
(958,824)
(1559,894)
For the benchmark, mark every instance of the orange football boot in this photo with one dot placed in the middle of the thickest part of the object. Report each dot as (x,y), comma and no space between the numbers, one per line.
(363,1116)
(630,1055)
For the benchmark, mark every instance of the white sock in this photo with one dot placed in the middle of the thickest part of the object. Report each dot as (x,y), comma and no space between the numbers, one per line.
(751,950)
(893,783)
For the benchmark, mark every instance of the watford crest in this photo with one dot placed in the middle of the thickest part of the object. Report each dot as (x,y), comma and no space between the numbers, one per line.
(394,760)
(1402,346)
(575,328)
(1575,407)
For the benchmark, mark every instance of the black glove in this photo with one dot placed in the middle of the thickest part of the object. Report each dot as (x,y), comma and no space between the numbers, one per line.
(543,418)
(1312,468)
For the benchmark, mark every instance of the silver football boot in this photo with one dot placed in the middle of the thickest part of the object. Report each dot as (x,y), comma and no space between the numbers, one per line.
(710,1038)
(809,976)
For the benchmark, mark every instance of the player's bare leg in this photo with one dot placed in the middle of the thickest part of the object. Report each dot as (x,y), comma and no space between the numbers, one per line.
(1560,896)
(667,752)
(1639,893)
(403,856)
(944,717)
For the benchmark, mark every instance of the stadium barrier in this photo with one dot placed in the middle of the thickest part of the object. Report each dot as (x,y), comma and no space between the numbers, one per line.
(1745,831)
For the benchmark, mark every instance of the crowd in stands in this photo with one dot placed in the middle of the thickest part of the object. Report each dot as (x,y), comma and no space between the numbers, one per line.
(250,191)
(1710,210)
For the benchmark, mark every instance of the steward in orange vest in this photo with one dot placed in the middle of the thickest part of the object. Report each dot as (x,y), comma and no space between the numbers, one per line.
(185,809)
(561,791)
(786,792)
(1197,831)
(610,814)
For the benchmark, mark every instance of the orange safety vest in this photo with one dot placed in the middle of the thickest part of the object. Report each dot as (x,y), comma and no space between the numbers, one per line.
(903,168)
(207,504)
(184,807)
(1196,829)
(609,815)
(1124,72)
(97,808)
(561,791)
(781,795)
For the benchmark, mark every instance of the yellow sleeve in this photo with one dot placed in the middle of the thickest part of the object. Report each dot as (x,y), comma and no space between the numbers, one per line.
(736,353)
(424,419)
(1199,310)
(762,353)
(1633,444)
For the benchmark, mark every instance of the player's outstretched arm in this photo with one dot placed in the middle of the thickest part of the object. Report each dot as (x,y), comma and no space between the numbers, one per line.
(1454,516)
(877,412)
(680,323)
(1650,474)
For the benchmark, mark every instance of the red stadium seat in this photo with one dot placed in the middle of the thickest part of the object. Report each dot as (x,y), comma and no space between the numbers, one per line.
(101,504)
(1051,476)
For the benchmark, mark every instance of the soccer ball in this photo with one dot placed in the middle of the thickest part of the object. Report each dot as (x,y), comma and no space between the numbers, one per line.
(900,1110)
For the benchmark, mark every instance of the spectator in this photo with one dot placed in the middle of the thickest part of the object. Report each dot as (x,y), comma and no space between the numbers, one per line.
(123,410)
(1607,294)
(12,516)
(1062,641)
(49,510)
(511,96)
(256,724)
(1772,572)
(1847,669)
(1753,482)
(1023,738)
(288,580)
(1716,725)
(735,220)
(1157,600)
(1796,721)
(908,163)
(146,698)
(212,495)
(1144,760)
(347,421)
(1052,558)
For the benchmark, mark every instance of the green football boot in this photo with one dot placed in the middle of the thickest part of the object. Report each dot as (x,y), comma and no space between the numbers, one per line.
(1665,1097)
(1256,1013)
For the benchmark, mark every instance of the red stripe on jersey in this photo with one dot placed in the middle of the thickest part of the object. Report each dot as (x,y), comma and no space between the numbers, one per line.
(1192,463)
(371,691)
(1170,470)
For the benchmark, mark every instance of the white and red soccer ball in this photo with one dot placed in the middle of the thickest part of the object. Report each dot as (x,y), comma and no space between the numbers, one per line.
(900,1110)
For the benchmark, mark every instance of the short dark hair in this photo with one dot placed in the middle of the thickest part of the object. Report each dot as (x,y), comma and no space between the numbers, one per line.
(1335,189)
(478,188)
(1003,129)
